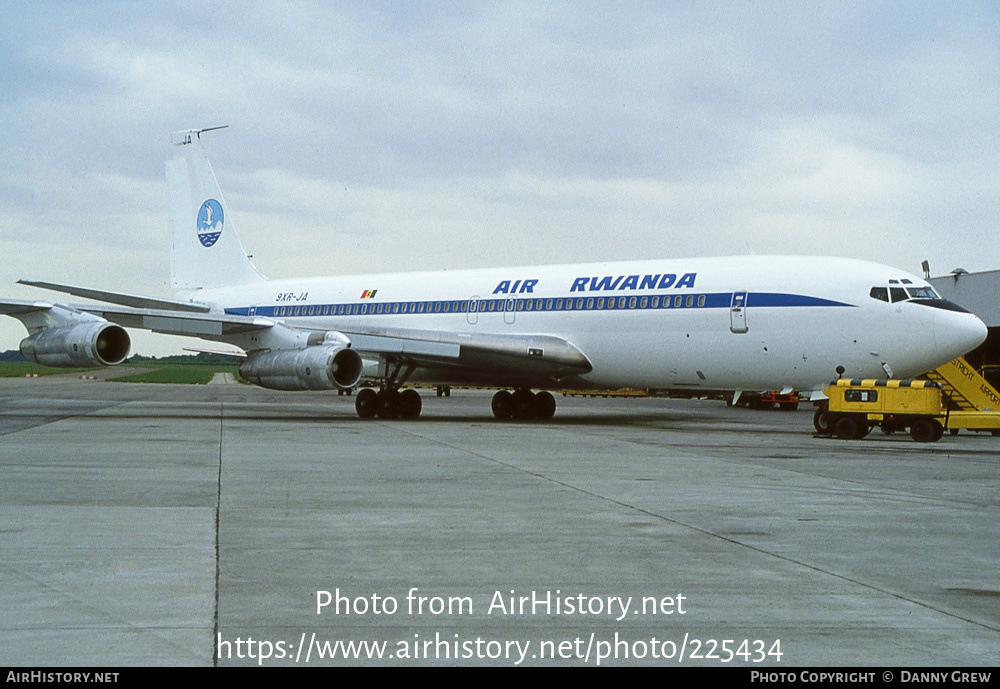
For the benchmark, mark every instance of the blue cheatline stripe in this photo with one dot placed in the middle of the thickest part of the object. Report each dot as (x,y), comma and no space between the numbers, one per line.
(610,302)
(777,299)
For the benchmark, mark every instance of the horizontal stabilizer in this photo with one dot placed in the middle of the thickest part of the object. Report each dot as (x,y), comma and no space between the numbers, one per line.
(186,136)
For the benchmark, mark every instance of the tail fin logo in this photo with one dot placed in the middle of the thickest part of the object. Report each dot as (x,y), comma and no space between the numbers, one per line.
(210,221)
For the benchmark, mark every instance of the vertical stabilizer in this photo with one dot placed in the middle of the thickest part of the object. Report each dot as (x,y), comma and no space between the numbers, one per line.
(205,251)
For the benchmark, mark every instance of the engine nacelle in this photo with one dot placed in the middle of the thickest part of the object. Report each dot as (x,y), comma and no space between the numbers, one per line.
(87,344)
(312,368)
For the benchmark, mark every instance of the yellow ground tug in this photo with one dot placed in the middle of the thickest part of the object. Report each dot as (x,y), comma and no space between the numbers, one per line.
(953,396)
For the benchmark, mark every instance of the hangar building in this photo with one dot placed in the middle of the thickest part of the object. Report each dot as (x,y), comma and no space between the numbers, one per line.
(979,293)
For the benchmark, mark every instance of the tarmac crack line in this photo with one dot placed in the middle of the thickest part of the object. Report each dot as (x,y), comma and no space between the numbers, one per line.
(218,509)
(720,454)
(706,532)
(46,420)
(86,604)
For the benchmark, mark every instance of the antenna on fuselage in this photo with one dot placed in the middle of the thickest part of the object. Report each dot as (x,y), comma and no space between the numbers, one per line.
(187,136)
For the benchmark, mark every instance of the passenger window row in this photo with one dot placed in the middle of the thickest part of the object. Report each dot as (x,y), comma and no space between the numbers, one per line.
(494,305)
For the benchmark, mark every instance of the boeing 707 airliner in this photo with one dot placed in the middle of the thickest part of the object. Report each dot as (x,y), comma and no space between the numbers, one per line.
(696,325)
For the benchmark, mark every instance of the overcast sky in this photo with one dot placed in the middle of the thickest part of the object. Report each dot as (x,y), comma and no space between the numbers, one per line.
(368,136)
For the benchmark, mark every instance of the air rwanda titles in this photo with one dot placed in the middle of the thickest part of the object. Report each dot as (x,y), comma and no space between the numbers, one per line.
(547,603)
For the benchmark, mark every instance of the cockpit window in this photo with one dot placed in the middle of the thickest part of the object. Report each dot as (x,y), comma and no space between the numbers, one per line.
(922,293)
(895,292)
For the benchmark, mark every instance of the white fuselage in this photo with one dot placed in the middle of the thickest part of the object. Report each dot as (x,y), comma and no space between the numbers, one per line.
(753,323)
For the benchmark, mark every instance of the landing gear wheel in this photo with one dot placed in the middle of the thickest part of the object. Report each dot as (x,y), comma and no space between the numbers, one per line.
(503,405)
(545,406)
(365,403)
(926,431)
(524,404)
(409,404)
(387,404)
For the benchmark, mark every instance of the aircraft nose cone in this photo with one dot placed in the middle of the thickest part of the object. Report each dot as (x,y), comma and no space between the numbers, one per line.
(959,336)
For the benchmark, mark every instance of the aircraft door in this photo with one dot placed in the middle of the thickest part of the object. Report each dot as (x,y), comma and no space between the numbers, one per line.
(472,315)
(738,313)
(509,310)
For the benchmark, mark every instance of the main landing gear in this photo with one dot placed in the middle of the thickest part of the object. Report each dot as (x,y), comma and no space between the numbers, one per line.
(524,404)
(390,402)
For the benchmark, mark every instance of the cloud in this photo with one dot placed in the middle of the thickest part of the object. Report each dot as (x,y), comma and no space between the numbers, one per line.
(439,135)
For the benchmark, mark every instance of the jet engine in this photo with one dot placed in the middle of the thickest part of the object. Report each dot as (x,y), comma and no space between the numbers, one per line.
(87,344)
(312,368)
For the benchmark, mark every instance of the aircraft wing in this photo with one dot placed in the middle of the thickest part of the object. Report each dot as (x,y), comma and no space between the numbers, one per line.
(133,300)
(455,356)
(474,357)
(506,359)
(209,325)
(157,320)
(19,307)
